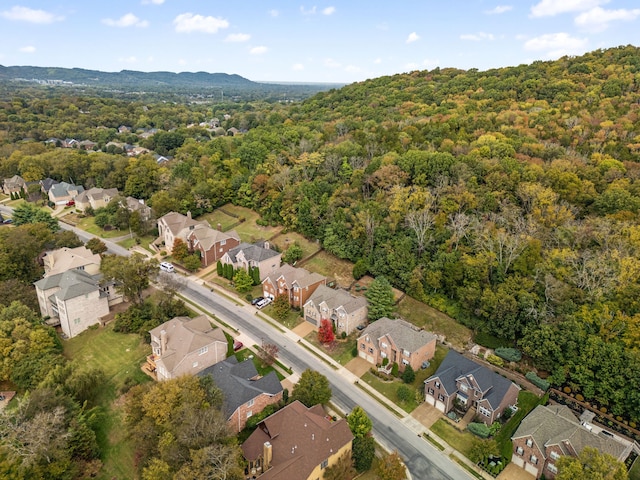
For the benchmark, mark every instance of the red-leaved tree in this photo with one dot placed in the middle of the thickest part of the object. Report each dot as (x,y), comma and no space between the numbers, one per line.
(325,332)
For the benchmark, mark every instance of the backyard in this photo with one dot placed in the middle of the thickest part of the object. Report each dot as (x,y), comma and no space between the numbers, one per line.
(331,267)
(284,240)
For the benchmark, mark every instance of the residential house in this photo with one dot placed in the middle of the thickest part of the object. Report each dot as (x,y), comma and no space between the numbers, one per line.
(75,300)
(134,151)
(471,385)
(124,129)
(138,205)
(14,185)
(296,283)
(175,225)
(551,431)
(211,243)
(87,145)
(185,346)
(245,392)
(296,443)
(63,259)
(233,131)
(345,311)
(70,143)
(398,341)
(95,198)
(63,192)
(46,184)
(258,255)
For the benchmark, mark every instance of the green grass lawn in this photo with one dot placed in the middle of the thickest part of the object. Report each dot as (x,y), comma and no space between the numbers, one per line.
(284,240)
(458,439)
(249,230)
(218,217)
(119,356)
(390,390)
(331,267)
(342,351)
(88,224)
(144,242)
(634,473)
(527,401)
(432,320)
(292,320)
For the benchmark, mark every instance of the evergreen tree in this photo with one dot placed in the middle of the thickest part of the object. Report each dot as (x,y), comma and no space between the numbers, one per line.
(242,280)
(219,268)
(380,296)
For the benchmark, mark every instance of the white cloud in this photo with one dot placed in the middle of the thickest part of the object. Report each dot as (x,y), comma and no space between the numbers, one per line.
(413,37)
(127,20)
(329,11)
(311,11)
(28,49)
(258,50)
(549,8)
(331,63)
(298,67)
(30,15)
(598,19)
(152,2)
(499,9)
(477,37)
(238,37)
(556,44)
(188,22)
(377,61)
(131,59)
(274,13)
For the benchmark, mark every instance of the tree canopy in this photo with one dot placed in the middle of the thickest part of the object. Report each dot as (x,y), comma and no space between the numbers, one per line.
(312,389)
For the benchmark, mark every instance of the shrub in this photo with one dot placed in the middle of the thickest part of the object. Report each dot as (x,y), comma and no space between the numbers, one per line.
(579,397)
(506,414)
(394,369)
(537,381)
(479,429)
(495,427)
(566,390)
(360,269)
(509,354)
(495,360)
(343,335)
(385,361)
(404,393)
(408,376)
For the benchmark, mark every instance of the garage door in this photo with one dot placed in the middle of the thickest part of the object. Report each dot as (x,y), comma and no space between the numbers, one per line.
(440,406)
(532,469)
(311,320)
(364,355)
(430,399)
(519,461)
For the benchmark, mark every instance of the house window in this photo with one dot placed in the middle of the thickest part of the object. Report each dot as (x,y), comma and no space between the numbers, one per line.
(324,464)
(406,353)
(249,414)
(223,242)
(370,350)
(533,459)
(463,388)
(76,321)
(529,442)
(384,345)
(383,354)
(362,346)
(520,451)
(250,403)
(484,411)
(437,384)
(405,361)
(552,468)
(195,364)
(554,455)
(430,391)
(441,397)
(203,350)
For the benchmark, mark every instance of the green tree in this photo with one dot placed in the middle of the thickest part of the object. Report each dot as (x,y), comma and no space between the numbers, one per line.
(255,275)
(192,262)
(380,296)
(391,467)
(96,245)
(131,274)
(359,422)
(292,254)
(219,268)
(28,213)
(341,470)
(591,464)
(312,389)
(404,393)
(281,307)
(363,453)
(409,375)
(481,450)
(243,281)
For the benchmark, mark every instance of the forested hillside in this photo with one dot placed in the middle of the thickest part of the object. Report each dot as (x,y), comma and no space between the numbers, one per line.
(507,198)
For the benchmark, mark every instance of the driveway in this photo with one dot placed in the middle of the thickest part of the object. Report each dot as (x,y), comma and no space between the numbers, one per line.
(426,414)
(358,366)
(304,329)
(513,472)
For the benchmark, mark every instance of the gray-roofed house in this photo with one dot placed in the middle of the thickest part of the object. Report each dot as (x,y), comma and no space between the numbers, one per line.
(296,443)
(95,198)
(46,184)
(175,225)
(15,184)
(472,385)
(245,392)
(398,341)
(76,299)
(345,311)
(551,431)
(297,284)
(63,192)
(211,243)
(184,346)
(247,255)
(138,205)
(78,258)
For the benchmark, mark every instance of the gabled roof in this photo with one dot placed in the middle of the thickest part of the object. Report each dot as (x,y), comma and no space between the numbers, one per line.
(337,298)
(240,383)
(557,425)
(208,236)
(404,334)
(186,335)
(455,366)
(14,182)
(134,204)
(65,258)
(47,183)
(96,194)
(72,283)
(253,252)
(290,275)
(176,222)
(62,189)
(301,439)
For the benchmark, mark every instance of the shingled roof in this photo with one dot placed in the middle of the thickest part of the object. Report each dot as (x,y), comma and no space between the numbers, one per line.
(240,382)
(336,298)
(301,439)
(208,237)
(176,222)
(300,276)
(63,259)
(404,334)
(72,283)
(254,252)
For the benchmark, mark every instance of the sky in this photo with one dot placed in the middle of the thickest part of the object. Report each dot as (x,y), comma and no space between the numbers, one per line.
(335,42)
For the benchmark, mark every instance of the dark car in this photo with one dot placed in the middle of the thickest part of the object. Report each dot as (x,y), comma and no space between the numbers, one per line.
(237,345)
(7,221)
(256,300)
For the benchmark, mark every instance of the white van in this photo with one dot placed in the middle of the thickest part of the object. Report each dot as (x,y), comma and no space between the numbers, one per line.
(167,267)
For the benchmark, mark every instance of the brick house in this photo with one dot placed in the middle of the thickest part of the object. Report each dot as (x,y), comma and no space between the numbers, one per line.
(345,311)
(75,300)
(184,346)
(551,431)
(472,385)
(296,443)
(258,255)
(245,392)
(95,198)
(296,283)
(398,341)
(63,259)
(15,184)
(175,225)
(212,244)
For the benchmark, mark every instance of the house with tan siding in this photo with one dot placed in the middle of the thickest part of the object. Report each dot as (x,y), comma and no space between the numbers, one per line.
(259,254)
(15,184)
(245,392)
(297,284)
(78,258)
(185,346)
(95,198)
(345,311)
(174,225)
(296,443)
(63,192)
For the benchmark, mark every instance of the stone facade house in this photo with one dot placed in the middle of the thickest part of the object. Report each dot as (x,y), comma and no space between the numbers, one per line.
(175,225)
(75,300)
(398,341)
(95,198)
(185,346)
(296,443)
(345,311)
(245,392)
(212,244)
(259,255)
(296,283)
(63,259)
(138,205)
(551,431)
(472,385)
(63,192)
(15,184)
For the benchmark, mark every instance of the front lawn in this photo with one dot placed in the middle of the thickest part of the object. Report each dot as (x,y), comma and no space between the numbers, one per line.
(342,351)
(88,224)
(291,321)
(390,390)
(144,242)
(458,439)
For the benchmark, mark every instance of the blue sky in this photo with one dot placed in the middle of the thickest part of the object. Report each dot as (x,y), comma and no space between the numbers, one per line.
(337,41)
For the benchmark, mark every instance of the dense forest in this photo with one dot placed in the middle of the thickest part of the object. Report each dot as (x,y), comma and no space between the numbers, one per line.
(507,198)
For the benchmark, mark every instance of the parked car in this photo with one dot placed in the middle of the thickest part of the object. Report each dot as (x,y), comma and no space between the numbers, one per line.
(167,267)
(263,303)
(71,203)
(7,221)
(256,300)
(237,345)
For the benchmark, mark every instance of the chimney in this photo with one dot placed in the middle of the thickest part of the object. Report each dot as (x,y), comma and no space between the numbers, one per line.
(189,214)
(267,454)
(219,227)
(266,245)
(163,341)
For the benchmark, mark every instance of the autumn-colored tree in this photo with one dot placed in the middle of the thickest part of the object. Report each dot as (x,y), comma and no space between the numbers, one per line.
(391,467)
(268,353)
(180,250)
(281,307)
(325,332)
(591,464)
